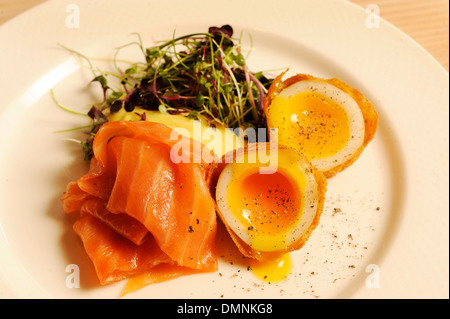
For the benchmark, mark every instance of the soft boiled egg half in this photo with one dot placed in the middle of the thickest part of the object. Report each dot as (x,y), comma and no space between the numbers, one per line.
(326,120)
(270,199)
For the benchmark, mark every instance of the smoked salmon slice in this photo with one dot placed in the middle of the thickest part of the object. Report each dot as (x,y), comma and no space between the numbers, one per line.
(145,198)
(116,258)
(122,224)
(159,273)
(73,198)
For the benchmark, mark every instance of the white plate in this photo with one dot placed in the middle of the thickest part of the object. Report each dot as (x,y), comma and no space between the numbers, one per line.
(388,236)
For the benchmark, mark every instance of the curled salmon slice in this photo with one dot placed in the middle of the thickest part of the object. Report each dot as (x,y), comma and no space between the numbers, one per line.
(114,257)
(122,224)
(134,190)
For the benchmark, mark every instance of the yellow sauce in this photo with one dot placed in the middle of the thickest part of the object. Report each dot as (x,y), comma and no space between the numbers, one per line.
(272,270)
(219,140)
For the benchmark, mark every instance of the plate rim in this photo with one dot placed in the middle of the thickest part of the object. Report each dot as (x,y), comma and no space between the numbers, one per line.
(398,33)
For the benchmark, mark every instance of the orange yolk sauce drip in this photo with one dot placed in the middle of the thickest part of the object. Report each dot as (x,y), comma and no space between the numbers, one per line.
(268,205)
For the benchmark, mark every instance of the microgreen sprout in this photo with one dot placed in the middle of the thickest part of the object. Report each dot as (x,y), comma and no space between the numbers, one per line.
(199,74)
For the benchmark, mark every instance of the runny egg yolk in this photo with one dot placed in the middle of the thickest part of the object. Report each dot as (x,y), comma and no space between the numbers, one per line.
(269,212)
(267,205)
(311,123)
(272,270)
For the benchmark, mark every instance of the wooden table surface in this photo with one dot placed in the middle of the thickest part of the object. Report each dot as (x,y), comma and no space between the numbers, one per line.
(426,21)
